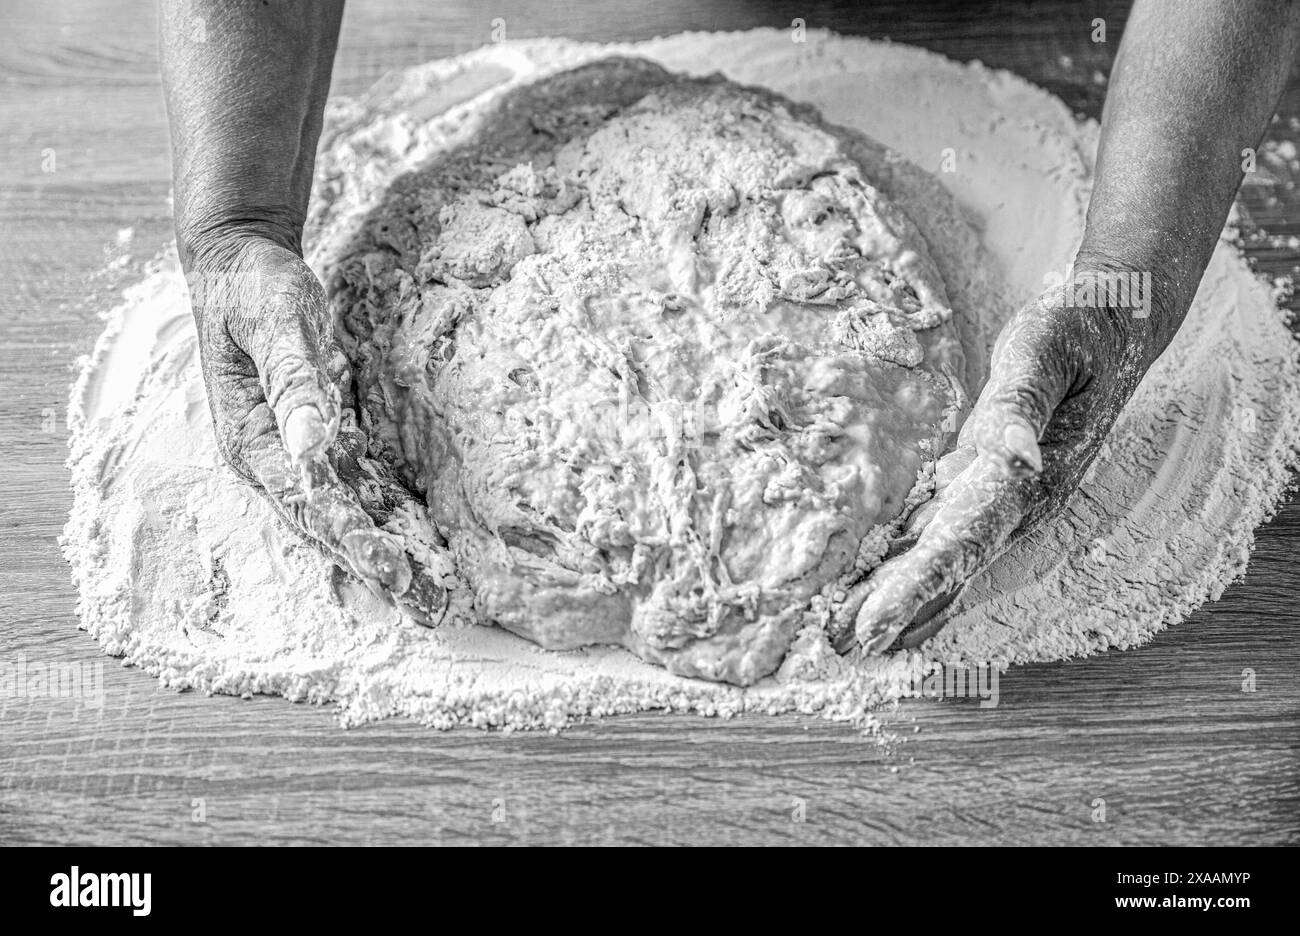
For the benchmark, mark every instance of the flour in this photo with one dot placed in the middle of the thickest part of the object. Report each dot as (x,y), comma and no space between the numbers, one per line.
(189,575)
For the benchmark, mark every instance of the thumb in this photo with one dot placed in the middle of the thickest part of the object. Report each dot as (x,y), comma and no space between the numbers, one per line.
(282,328)
(1029,377)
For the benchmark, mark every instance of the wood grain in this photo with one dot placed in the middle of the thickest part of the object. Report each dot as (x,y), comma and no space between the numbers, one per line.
(1164,734)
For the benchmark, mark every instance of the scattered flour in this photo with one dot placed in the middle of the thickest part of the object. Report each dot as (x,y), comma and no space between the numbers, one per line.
(189,575)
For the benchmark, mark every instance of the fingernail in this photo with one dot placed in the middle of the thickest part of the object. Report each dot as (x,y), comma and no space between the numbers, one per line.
(304,433)
(880,620)
(375,555)
(878,641)
(875,630)
(1022,444)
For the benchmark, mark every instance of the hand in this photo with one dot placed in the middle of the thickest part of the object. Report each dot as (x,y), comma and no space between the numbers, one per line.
(272,373)
(1059,377)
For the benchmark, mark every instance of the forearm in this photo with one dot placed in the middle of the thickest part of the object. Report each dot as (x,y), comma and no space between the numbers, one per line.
(245,94)
(1194,84)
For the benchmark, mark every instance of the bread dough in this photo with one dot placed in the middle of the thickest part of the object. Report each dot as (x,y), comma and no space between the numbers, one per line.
(663,360)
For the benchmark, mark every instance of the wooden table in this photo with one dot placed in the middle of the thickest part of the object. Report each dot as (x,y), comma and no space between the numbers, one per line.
(1163,735)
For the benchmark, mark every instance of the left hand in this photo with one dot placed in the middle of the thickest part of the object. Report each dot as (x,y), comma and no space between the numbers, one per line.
(1059,377)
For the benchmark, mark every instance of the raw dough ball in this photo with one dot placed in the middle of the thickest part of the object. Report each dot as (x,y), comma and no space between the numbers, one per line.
(660,357)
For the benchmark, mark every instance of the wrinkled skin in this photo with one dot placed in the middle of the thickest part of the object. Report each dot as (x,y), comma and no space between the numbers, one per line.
(1059,377)
(273,372)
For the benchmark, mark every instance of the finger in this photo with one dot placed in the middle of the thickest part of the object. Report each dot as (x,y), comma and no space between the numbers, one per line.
(947,469)
(344,518)
(384,498)
(842,631)
(330,513)
(426,597)
(282,325)
(952,465)
(982,510)
(926,624)
(1029,377)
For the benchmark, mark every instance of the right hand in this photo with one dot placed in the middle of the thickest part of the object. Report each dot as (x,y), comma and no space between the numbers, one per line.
(272,372)
(1060,375)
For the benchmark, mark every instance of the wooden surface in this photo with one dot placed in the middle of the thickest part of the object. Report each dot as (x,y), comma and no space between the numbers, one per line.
(1164,735)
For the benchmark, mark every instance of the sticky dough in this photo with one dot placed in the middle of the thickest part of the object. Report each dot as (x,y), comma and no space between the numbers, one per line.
(663,358)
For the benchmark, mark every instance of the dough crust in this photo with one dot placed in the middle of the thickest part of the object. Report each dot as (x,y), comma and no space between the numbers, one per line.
(662,359)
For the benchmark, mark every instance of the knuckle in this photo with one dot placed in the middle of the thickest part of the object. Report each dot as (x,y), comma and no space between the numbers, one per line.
(236,436)
(284,371)
(1027,398)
